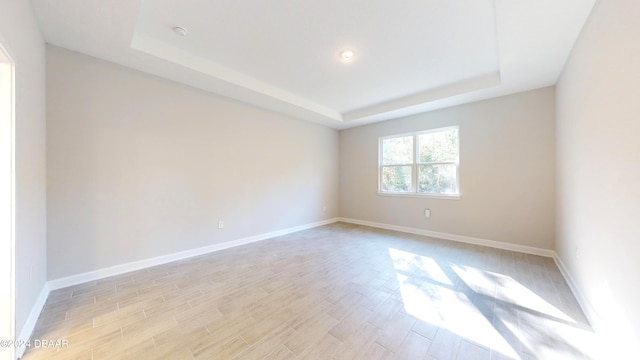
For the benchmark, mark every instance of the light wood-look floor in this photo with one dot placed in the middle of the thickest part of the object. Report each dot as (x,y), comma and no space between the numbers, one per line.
(335,292)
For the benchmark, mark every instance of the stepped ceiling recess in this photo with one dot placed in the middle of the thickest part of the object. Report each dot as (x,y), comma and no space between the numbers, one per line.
(289,56)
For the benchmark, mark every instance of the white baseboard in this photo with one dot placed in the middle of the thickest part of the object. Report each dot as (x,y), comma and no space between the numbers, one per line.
(142,264)
(32,319)
(613,341)
(27,329)
(588,309)
(454,237)
(51,285)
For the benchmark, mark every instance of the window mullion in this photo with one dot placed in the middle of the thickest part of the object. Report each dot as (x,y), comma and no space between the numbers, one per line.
(414,170)
(439,163)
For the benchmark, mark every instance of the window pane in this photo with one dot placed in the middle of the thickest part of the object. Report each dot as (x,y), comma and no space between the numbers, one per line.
(438,146)
(397,151)
(396,178)
(437,179)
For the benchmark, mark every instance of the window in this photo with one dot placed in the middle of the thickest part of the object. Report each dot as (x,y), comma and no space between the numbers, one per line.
(421,163)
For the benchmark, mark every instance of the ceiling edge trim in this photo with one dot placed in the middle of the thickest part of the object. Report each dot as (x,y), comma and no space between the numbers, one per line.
(178,56)
(466,86)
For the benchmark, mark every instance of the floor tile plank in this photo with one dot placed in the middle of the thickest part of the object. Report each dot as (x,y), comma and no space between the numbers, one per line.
(339,291)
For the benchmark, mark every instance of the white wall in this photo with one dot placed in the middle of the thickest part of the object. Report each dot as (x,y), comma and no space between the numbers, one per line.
(20,35)
(507,172)
(598,114)
(140,167)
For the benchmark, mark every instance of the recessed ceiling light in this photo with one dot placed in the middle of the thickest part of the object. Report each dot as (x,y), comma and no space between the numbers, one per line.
(347,55)
(180,30)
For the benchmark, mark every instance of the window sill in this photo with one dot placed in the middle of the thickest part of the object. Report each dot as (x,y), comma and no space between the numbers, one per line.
(420,196)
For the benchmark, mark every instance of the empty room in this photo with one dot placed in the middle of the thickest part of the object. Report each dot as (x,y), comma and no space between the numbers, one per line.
(320,179)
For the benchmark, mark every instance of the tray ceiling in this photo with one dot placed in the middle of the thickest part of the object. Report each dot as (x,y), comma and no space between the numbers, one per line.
(409,57)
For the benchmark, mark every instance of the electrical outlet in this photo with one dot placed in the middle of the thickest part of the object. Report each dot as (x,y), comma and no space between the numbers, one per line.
(577,253)
(220,224)
(427,213)
(324,208)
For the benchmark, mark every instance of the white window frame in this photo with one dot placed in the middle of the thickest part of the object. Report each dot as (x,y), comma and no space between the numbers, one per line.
(414,166)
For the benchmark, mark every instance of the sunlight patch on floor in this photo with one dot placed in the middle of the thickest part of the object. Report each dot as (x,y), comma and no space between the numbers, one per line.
(508,290)
(436,302)
(488,308)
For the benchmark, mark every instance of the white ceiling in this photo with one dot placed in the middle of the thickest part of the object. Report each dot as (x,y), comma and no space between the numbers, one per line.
(411,56)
